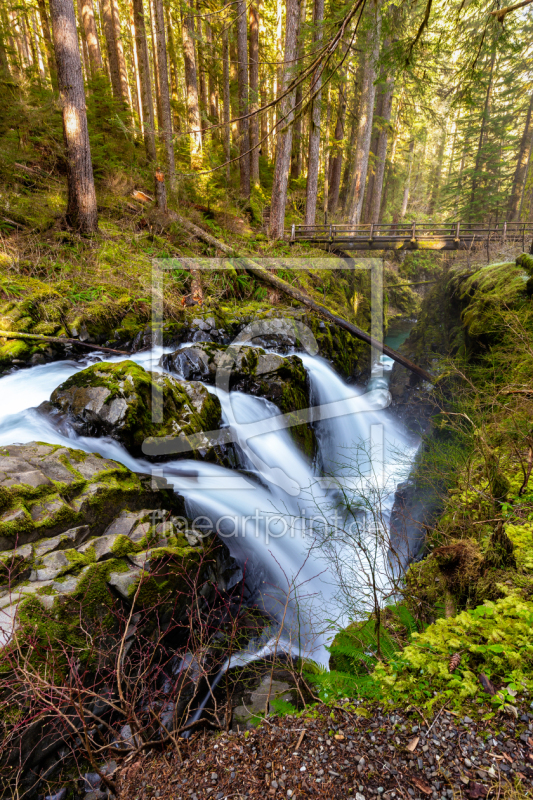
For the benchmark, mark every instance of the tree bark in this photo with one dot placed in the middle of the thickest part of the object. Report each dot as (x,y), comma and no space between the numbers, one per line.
(350,151)
(5,72)
(313,156)
(50,57)
(381,153)
(519,178)
(91,34)
(364,133)
(254,93)
(164,89)
(82,210)
(145,79)
(335,164)
(191,81)
(286,114)
(226,102)
(242,76)
(211,77)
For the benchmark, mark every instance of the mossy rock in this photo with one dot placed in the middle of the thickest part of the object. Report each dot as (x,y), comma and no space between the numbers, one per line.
(282,380)
(47,489)
(124,401)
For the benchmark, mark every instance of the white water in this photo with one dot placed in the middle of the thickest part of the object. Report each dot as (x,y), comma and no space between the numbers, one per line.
(264,514)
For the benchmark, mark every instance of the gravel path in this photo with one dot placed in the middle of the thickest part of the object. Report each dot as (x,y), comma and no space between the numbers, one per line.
(339,754)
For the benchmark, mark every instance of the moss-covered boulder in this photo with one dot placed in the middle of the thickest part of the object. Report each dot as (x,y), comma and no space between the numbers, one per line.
(282,380)
(130,404)
(46,490)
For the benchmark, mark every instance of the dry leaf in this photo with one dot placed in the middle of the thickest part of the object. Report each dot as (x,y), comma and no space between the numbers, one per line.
(476,790)
(412,744)
(339,737)
(422,785)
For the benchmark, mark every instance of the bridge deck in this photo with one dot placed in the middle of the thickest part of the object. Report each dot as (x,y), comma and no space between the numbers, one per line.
(414,236)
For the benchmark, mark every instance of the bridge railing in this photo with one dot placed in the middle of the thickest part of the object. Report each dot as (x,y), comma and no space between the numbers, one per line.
(413,231)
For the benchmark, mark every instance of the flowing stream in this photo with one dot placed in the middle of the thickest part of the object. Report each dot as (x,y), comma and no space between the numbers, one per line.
(274,511)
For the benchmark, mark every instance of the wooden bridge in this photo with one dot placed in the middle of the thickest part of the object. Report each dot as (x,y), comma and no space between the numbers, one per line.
(415,236)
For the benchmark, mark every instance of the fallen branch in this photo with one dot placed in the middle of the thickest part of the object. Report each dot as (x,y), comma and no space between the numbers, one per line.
(268,277)
(57,340)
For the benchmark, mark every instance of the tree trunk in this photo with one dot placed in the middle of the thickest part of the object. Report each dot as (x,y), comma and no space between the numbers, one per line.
(137,75)
(408,179)
(191,81)
(81,211)
(364,133)
(484,120)
(313,157)
(173,60)
(242,74)
(91,35)
(381,153)
(160,191)
(254,93)
(112,52)
(296,157)
(227,106)
(521,167)
(211,78)
(202,78)
(348,167)
(145,79)
(122,68)
(45,25)
(335,168)
(437,175)
(286,113)
(162,82)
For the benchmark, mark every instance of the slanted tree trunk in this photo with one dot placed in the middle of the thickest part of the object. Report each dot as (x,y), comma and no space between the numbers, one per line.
(335,164)
(164,89)
(50,57)
(381,153)
(364,133)
(313,157)
(254,93)
(226,102)
(145,79)
(5,72)
(81,210)
(91,35)
(191,81)
(242,75)
(286,114)
(111,45)
(519,178)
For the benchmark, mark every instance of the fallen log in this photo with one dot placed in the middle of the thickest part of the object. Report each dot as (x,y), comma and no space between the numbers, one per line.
(58,340)
(268,277)
(296,294)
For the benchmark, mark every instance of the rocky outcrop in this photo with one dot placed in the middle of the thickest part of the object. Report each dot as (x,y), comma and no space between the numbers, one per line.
(282,380)
(132,405)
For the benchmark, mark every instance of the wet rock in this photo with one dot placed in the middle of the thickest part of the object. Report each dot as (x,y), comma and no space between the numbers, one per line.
(84,490)
(124,401)
(282,380)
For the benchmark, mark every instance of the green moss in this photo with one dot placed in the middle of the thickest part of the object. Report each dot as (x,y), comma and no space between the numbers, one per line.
(123,545)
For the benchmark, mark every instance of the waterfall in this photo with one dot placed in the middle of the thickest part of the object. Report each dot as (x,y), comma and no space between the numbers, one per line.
(266,512)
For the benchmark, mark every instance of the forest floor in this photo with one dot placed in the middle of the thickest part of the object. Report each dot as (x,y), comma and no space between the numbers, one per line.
(336,753)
